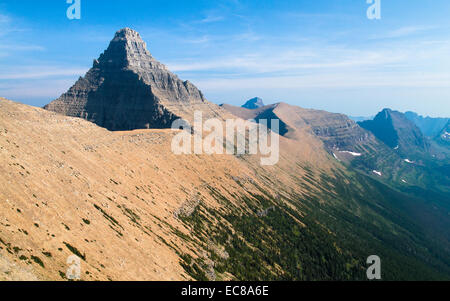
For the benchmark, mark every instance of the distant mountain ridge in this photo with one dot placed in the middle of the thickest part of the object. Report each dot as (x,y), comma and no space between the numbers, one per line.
(337,131)
(430,126)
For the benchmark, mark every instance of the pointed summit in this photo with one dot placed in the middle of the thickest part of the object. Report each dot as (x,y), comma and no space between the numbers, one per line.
(127,34)
(396,131)
(127,49)
(128,89)
(254,103)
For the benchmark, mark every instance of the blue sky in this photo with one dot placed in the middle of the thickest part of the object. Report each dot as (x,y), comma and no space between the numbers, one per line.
(323,54)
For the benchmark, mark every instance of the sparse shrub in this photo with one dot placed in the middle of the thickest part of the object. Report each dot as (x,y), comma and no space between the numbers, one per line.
(75,251)
(37,260)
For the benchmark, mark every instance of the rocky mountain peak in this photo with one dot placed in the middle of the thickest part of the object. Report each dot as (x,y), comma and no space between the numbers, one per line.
(127,50)
(385,114)
(127,34)
(254,103)
(396,131)
(128,89)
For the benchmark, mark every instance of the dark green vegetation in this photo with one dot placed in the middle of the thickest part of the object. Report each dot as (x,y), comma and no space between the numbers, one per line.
(343,225)
(426,172)
(75,251)
(37,260)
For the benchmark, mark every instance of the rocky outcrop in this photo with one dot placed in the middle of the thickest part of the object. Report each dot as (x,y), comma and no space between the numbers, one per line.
(128,89)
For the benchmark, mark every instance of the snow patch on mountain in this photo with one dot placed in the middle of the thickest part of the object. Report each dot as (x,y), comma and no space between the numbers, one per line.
(352,153)
(378,173)
(336,157)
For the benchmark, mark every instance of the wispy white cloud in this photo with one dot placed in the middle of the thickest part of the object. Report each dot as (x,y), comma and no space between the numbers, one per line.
(8,26)
(40,72)
(392,64)
(246,36)
(4,19)
(199,40)
(334,80)
(290,61)
(43,89)
(316,16)
(16,47)
(211,19)
(404,32)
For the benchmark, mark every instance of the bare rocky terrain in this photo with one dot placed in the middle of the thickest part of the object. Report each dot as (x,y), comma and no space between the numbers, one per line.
(132,210)
(69,186)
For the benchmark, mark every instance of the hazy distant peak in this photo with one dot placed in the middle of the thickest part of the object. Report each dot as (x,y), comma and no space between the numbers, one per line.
(254,103)
(430,126)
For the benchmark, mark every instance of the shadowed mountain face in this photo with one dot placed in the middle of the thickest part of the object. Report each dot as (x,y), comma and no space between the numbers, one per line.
(128,89)
(396,131)
(429,126)
(254,103)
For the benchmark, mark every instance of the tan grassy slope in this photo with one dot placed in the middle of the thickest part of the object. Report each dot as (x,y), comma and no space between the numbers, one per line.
(68,186)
